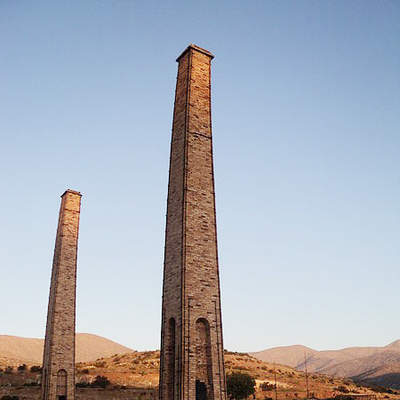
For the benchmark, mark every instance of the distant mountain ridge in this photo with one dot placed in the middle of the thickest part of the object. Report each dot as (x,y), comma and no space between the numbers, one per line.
(378,365)
(375,365)
(89,347)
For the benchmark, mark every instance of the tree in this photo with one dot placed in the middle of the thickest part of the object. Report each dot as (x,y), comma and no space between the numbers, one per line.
(22,368)
(36,368)
(100,381)
(240,385)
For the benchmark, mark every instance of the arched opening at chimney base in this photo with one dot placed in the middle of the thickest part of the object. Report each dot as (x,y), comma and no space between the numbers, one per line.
(204,382)
(62,384)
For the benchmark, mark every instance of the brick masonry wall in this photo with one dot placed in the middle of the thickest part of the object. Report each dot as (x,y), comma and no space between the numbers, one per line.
(191,292)
(59,348)
(33,393)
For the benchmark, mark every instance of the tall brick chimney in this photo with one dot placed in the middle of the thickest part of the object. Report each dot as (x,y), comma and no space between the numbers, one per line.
(58,375)
(192,358)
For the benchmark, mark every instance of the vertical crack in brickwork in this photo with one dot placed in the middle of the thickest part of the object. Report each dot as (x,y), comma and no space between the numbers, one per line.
(191,290)
(59,350)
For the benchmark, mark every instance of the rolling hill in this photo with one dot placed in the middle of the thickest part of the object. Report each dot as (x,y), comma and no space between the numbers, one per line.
(378,365)
(15,350)
(372,365)
(141,369)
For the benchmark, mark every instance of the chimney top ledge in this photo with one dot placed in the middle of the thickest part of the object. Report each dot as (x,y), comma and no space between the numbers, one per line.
(197,48)
(71,192)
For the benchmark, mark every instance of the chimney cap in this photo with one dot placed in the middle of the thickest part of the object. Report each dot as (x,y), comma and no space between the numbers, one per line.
(197,48)
(72,192)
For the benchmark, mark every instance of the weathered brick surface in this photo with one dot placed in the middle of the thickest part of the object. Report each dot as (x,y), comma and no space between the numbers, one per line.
(191,336)
(33,393)
(58,377)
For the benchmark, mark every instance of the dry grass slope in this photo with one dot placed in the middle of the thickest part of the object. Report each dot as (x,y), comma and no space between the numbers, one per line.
(140,369)
(16,350)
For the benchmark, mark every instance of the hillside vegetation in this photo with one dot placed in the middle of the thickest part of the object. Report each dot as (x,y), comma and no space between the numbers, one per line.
(141,369)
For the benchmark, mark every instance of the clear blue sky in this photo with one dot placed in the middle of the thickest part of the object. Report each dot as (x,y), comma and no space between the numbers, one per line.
(306,113)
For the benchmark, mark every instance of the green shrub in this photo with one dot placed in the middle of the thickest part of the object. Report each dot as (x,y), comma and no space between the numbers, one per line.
(100,381)
(240,385)
(100,364)
(266,387)
(342,389)
(82,384)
